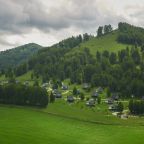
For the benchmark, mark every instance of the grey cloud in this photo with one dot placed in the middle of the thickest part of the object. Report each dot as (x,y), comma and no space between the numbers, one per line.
(20,16)
(138,13)
(4,42)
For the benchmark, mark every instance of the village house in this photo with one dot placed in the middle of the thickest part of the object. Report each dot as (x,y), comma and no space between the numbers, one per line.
(64,87)
(113,107)
(100,90)
(86,86)
(115,96)
(57,94)
(110,101)
(95,95)
(90,103)
(70,99)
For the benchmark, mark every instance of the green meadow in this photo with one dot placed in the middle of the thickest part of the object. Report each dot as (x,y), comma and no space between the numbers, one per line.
(33,126)
(107,42)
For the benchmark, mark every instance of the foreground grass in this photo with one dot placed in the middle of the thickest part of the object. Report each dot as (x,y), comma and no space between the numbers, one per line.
(98,114)
(27,126)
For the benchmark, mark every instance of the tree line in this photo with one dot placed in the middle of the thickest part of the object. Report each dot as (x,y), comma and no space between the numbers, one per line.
(136,107)
(18,94)
(102,30)
(130,34)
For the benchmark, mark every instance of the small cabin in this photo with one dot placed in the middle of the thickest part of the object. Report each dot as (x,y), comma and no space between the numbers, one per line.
(64,87)
(78,92)
(115,97)
(86,86)
(124,116)
(100,90)
(95,95)
(90,103)
(57,94)
(110,101)
(70,99)
(113,107)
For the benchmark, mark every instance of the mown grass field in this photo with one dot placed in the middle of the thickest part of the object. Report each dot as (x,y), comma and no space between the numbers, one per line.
(27,126)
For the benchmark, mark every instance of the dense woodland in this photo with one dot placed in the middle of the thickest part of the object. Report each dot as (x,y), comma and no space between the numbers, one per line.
(121,72)
(14,57)
(130,34)
(136,107)
(19,94)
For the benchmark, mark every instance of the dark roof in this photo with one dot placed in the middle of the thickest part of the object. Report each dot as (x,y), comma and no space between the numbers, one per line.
(113,107)
(115,97)
(110,101)
(70,98)
(64,87)
(100,89)
(57,94)
(95,94)
(91,102)
(86,85)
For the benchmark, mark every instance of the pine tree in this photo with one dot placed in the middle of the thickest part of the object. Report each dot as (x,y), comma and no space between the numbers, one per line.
(52,98)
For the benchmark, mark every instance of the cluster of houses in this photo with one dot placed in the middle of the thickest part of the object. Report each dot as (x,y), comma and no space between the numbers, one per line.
(58,95)
(90,102)
(71,99)
(112,102)
(94,97)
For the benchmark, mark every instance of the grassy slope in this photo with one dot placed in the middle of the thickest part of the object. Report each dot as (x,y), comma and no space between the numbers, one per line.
(32,127)
(27,77)
(23,78)
(107,42)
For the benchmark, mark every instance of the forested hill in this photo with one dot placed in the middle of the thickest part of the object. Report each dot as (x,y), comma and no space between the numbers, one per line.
(72,54)
(18,55)
(104,60)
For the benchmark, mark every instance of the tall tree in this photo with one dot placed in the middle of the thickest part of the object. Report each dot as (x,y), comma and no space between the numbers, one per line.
(100,31)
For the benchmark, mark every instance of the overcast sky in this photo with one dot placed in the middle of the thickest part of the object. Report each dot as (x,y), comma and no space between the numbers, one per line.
(46,22)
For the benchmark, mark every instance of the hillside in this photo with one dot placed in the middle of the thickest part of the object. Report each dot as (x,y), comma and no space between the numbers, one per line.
(18,55)
(106,42)
(101,61)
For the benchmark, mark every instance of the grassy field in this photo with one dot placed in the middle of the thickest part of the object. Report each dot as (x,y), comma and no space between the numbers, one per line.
(27,126)
(107,42)
(23,78)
